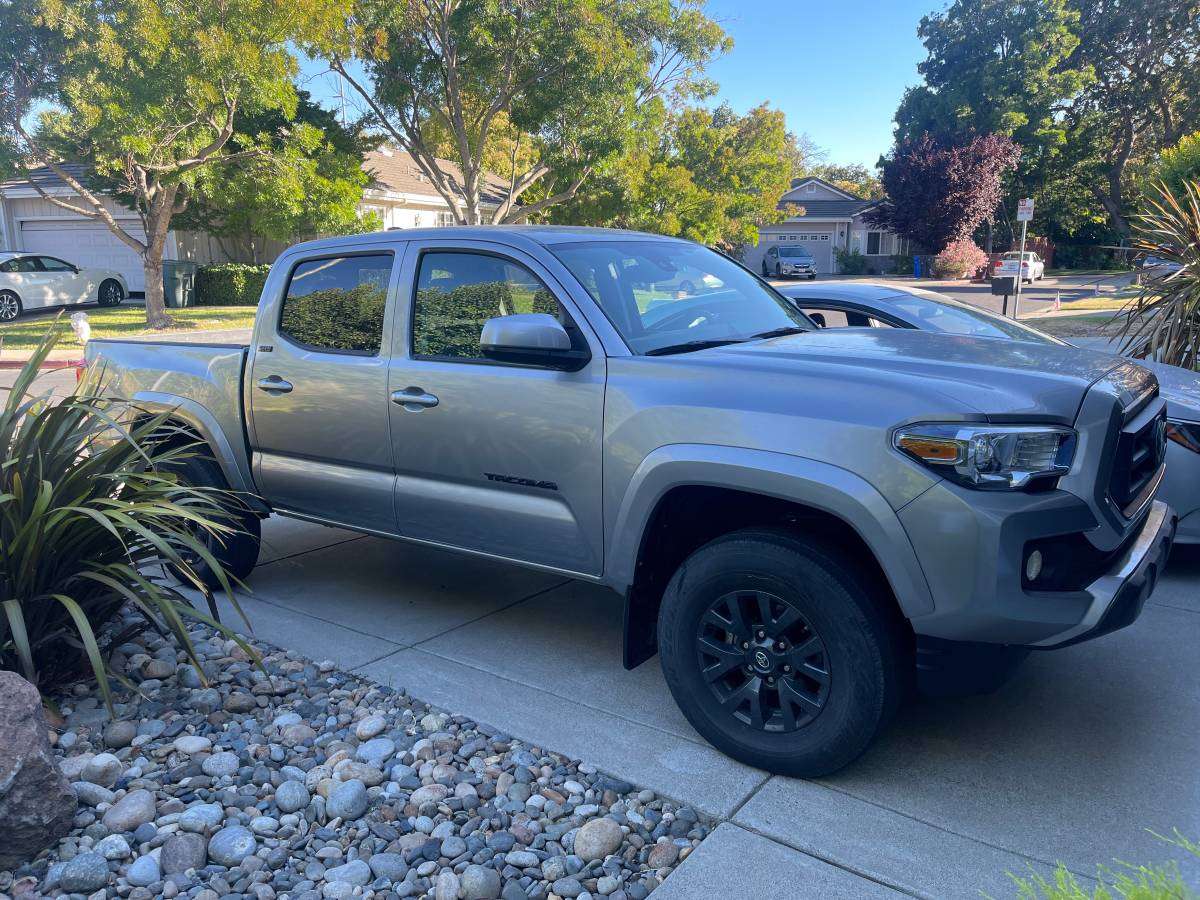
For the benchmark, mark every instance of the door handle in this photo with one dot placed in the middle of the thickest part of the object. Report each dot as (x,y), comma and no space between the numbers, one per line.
(273,384)
(414,399)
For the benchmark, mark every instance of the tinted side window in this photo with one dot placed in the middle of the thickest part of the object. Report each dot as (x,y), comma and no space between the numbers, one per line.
(337,303)
(22,264)
(458,292)
(50,264)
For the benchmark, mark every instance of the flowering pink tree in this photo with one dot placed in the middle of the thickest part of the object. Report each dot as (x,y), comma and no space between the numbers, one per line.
(959,259)
(940,192)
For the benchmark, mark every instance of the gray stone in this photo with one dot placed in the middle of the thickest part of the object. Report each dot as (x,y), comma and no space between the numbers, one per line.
(132,810)
(375,751)
(221,765)
(567,887)
(606,885)
(446,886)
(119,734)
(144,871)
(113,847)
(231,845)
(480,883)
(348,800)
(453,847)
(201,817)
(389,865)
(597,839)
(430,793)
(103,769)
(370,727)
(291,796)
(240,703)
(663,855)
(84,874)
(92,794)
(183,851)
(355,872)
(192,744)
(521,859)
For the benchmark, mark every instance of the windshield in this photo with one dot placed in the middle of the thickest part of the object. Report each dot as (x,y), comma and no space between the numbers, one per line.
(950,317)
(794,252)
(638,285)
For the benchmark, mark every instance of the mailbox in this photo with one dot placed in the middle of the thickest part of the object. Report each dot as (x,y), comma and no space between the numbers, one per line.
(1004,285)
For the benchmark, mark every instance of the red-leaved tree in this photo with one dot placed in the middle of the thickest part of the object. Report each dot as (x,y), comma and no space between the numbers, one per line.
(939,192)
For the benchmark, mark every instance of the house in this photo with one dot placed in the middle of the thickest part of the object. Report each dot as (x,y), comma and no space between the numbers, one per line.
(399,192)
(824,218)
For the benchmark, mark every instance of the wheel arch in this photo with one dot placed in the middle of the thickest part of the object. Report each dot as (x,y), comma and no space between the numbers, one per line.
(683,496)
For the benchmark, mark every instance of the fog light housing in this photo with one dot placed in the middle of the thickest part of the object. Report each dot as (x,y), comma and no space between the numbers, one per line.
(1033,565)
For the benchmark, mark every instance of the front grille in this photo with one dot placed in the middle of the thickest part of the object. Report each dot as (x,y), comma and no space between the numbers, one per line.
(1139,455)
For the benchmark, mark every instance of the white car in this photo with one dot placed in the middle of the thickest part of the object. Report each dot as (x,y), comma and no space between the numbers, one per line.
(35,281)
(1032,267)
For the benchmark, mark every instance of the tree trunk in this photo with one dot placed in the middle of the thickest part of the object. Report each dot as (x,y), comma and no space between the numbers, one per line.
(157,224)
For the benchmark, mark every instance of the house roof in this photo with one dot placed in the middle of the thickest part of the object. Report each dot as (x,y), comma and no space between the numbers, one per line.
(45,178)
(829,186)
(396,170)
(828,209)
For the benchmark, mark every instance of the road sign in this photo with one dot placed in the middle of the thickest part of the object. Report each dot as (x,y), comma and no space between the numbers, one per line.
(1025,210)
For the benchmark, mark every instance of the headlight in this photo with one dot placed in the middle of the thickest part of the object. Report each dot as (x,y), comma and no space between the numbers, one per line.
(1185,434)
(989,457)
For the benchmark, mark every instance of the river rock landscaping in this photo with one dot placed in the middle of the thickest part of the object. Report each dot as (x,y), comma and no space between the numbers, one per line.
(300,780)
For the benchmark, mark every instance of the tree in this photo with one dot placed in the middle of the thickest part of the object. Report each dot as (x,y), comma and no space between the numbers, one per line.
(853,178)
(309,182)
(1179,164)
(708,175)
(146,94)
(566,82)
(940,192)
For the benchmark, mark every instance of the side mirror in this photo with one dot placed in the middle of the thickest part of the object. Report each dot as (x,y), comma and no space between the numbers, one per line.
(531,339)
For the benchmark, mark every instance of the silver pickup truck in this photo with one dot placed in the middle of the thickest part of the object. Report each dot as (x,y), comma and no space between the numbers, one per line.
(803,524)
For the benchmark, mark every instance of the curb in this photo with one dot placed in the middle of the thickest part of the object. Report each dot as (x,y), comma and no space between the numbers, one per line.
(47,364)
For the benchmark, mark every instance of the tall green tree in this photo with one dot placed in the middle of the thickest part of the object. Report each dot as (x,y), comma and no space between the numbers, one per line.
(310,182)
(1179,164)
(147,94)
(709,175)
(566,82)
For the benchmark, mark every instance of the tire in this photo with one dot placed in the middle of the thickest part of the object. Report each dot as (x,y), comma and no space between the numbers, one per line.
(110,293)
(766,274)
(812,277)
(849,655)
(10,306)
(237,553)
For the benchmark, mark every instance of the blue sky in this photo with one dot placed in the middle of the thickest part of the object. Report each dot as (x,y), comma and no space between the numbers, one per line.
(837,73)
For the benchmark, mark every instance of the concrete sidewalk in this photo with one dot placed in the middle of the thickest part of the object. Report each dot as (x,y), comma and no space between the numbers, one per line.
(1073,760)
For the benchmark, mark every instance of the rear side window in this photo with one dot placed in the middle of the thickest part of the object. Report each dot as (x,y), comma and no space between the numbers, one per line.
(22,264)
(336,304)
(458,292)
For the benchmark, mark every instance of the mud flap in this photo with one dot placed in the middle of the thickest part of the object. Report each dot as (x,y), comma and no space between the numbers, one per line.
(639,640)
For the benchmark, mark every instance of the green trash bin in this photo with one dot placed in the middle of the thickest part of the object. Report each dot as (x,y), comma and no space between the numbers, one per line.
(179,282)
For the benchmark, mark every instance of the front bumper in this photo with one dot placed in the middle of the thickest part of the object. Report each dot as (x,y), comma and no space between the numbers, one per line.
(972,547)
(796,270)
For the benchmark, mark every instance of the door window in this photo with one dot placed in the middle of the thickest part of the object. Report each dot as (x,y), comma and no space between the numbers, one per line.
(22,264)
(336,304)
(50,264)
(458,292)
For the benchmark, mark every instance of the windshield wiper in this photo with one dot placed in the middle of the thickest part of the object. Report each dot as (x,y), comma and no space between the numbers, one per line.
(689,346)
(778,332)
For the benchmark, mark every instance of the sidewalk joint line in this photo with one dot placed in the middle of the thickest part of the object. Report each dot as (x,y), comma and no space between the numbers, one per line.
(271,562)
(750,796)
(499,609)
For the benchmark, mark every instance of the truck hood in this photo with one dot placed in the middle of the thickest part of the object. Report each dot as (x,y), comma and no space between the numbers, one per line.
(987,375)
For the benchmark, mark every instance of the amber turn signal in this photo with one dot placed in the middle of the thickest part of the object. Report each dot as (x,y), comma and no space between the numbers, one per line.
(930,449)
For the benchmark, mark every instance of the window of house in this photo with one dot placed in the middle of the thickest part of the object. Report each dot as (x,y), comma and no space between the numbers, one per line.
(874,243)
(336,304)
(458,292)
(445,218)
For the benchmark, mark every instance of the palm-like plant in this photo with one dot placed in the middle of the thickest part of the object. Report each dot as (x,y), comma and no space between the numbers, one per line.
(92,517)
(1162,322)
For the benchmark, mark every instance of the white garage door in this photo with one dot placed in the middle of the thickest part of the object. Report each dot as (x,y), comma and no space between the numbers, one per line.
(87,245)
(819,244)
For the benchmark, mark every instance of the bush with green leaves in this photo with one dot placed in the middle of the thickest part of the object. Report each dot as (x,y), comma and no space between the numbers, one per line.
(91,518)
(1162,321)
(230,284)
(850,262)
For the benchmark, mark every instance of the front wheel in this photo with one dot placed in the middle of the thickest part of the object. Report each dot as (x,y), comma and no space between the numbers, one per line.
(765,271)
(812,276)
(10,306)
(110,293)
(780,653)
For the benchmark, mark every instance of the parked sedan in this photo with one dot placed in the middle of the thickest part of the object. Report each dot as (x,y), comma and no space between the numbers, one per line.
(890,306)
(1032,267)
(33,281)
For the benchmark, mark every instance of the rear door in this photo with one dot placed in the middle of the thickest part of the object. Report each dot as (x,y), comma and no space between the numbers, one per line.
(318,389)
(493,457)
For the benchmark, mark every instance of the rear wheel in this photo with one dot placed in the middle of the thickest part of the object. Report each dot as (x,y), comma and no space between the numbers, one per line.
(779,653)
(110,293)
(237,553)
(10,306)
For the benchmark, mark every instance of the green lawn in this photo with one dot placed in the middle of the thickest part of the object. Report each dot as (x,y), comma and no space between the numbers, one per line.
(1113,271)
(1073,326)
(121,321)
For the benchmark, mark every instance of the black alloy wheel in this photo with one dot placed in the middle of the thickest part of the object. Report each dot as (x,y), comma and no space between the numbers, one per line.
(763,661)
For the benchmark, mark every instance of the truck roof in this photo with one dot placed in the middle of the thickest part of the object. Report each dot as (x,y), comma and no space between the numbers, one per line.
(509,234)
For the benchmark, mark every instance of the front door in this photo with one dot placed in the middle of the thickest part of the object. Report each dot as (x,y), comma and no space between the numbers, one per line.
(492,457)
(63,284)
(318,390)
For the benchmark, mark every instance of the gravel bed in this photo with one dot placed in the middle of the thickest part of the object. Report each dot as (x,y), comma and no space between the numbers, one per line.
(308,782)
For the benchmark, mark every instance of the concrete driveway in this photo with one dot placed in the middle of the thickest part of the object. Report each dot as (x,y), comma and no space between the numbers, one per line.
(1074,760)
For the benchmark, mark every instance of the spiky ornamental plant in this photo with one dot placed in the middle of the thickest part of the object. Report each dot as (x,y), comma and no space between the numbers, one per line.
(1162,322)
(92,517)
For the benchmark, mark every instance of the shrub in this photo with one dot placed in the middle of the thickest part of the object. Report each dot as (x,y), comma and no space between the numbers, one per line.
(89,517)
(850,262)
(959,259)
(1162,321)
(230,284)
(902,263)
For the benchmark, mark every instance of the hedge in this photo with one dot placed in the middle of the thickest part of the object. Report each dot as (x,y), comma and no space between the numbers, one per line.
(230,284)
